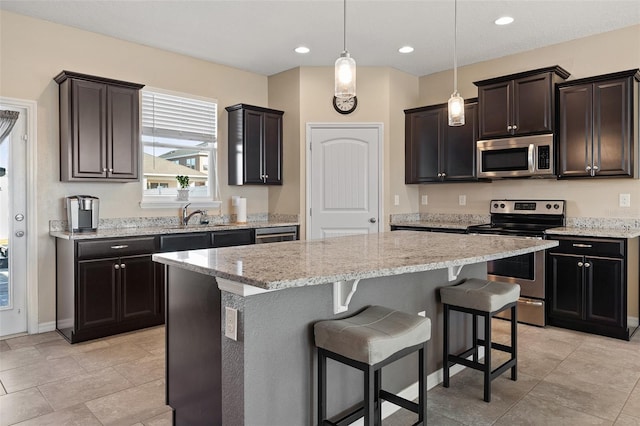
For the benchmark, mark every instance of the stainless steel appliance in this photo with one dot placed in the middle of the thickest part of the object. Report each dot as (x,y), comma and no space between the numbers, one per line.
(276,234)
(83,213)
(523,218)
(525,156)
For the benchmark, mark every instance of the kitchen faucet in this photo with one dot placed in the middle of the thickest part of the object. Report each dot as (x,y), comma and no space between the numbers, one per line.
(185,217)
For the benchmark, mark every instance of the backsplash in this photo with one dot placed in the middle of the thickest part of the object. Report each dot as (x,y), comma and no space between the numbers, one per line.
(164,221)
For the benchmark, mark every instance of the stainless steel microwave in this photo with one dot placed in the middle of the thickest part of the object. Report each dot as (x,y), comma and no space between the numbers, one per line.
(523,156)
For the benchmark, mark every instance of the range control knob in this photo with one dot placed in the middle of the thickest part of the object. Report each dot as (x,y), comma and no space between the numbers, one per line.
(495,205)
(548,206)
(502,206)
(556,206)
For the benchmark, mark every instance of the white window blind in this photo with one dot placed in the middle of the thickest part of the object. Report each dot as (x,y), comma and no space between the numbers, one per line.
(168,116)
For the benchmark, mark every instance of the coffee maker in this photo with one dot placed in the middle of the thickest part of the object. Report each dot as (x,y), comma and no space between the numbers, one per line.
(83,213)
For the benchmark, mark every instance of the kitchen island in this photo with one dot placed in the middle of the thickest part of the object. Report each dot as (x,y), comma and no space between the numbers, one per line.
(266,376)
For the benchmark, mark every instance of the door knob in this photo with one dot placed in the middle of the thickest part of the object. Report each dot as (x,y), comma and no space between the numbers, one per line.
(20,234)
(372,220)
(580,264)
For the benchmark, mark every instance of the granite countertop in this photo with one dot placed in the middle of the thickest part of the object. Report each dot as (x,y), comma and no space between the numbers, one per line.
(595,232)
(163,229)
(301,263)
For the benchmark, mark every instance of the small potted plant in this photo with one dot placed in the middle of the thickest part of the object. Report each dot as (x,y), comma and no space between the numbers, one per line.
(183,191)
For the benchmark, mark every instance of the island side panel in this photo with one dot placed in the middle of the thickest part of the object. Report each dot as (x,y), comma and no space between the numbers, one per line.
(269,374)
(193,347)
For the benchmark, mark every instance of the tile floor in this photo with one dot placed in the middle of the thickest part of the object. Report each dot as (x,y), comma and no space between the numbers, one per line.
(564,378)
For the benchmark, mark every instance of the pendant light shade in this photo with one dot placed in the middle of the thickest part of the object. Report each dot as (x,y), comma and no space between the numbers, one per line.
(456,103)
(345,68)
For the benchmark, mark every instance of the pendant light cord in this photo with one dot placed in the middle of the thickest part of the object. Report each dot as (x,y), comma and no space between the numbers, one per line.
(455,46)
(344,26)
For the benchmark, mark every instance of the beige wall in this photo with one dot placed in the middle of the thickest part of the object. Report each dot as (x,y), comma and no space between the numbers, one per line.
(600,54)
(34,51)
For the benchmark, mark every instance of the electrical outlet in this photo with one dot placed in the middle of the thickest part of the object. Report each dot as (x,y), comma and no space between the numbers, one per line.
(625,200)
(396,200)
(425,200)
(231,323)
(462,200)
(422,313)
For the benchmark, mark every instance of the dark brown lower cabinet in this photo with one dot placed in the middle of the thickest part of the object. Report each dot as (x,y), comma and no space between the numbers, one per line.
(588,285)
(107,294)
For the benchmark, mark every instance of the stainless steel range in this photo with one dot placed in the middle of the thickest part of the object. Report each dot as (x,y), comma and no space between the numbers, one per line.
(523,218)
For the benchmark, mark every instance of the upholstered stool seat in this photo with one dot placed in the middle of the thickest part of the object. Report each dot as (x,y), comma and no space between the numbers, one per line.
(368,341)
(481,298)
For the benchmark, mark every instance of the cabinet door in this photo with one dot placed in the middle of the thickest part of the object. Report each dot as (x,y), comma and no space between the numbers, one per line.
(139,293)
(88,104)
(566,286)
(273,148)
(604,286)
(495,109)
(458,146)
(612,130)
(253,146)
(575,130)
(97,303)
(123,139)
(423,131)
(532,105)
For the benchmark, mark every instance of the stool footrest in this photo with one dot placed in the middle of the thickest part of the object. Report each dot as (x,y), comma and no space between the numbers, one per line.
(348,418)
(494,345)
(399,401)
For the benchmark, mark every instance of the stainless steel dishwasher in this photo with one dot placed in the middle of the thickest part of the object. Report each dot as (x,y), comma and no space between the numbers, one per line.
(276,234)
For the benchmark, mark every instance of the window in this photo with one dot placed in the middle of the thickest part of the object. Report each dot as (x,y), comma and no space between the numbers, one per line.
(179,137)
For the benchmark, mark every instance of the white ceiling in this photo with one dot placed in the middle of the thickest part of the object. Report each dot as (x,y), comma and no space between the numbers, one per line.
(260,35)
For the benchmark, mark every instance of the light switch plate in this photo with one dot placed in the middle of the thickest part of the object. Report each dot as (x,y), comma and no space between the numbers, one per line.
(396,200)
(462,200)
(425,200)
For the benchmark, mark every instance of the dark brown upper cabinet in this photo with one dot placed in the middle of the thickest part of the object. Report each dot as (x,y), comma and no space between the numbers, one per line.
(598,126)
(518,104)
(437,152)
(99,128)
(255,145)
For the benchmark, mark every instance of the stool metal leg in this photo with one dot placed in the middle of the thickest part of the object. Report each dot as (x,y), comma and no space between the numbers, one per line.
(369,397)
(487,357)
(475,337)
(445,347)
(422,383)
(377,399)
(322,387)
(514,342)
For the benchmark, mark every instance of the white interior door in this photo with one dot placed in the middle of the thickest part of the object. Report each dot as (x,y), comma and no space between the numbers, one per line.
(344,179)
(13,224)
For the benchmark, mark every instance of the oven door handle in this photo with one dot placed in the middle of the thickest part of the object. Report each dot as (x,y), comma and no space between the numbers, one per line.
(532,163)
(530,302)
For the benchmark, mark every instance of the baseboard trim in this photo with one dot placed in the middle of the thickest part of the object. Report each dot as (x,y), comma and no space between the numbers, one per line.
(44,327)
(632,322)
(411,391)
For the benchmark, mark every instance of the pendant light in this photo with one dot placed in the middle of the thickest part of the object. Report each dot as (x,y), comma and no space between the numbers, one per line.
(456,103)
(345,68)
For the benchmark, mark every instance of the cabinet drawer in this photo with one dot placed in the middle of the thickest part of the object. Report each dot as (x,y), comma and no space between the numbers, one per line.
(115,247)
(190,241)
(238,237)
(591,246)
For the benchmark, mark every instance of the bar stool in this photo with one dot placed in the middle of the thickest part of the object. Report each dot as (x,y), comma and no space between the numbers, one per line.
(481,298)
(368,341)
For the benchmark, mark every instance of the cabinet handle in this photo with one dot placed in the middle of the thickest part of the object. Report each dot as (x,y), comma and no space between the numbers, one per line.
(444,175)
(509,127)
(120,246)
(122,266)
(596,168)
(587,265)
(580,264)
(104,169)
(514,127)
(580,245)
(266,176)
(116,266)
(588,168)
(439,174)
(110,170)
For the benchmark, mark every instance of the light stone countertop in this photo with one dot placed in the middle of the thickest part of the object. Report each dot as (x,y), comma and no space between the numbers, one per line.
(595,232)
(301,263)
(162,229)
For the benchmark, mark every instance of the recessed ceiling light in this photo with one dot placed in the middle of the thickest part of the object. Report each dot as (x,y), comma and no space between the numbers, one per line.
(302,49)
(405,49)
(504,20)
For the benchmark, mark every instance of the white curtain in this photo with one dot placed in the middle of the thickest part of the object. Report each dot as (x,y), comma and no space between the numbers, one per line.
(7,121)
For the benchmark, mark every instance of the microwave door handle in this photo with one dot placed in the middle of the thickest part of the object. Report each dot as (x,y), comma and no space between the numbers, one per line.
(532,163)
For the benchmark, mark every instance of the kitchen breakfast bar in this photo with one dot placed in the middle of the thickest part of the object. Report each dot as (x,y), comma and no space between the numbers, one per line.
(264,373)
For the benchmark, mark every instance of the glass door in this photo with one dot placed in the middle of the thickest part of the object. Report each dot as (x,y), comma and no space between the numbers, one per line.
(13,241)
